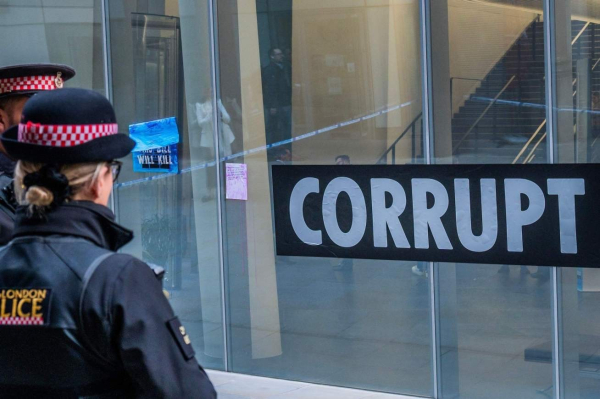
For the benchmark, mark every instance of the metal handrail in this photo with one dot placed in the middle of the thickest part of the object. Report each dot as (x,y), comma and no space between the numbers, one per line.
(530,155)
(537,19)
(580,33)
(483,113)
(392,147)
(529,142)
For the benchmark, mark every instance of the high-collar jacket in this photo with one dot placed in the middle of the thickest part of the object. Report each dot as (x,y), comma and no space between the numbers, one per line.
(79,320)
(83,219)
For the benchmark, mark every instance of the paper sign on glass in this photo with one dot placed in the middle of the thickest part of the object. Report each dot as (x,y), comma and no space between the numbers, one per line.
(236,181)
(156,146)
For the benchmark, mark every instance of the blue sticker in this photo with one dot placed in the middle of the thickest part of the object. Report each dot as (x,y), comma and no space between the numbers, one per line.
(156,146)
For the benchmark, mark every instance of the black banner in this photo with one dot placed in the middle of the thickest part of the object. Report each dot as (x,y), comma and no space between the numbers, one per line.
(545,215)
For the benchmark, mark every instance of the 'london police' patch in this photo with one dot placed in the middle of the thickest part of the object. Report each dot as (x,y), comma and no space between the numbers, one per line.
(182,338)
(25,306)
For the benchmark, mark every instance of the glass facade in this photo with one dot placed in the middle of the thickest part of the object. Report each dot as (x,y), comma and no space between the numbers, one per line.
(59,31)
(578,98)
(254,83)
(159,56)
(316,80)
(491,58)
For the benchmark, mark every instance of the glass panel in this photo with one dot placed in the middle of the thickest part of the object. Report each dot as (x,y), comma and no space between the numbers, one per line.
(59,31)
(578,94)
(161,69)
(489,107)
(497,81)
(313,80)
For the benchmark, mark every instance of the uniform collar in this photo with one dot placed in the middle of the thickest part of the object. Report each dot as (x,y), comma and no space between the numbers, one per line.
(83,219)
(7,165)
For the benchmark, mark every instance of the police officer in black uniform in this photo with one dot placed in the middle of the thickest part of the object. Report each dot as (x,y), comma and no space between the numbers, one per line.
(17,84)
(77,319)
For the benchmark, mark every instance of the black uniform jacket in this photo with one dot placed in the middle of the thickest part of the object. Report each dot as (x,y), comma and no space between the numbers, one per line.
(7,208)
(276,86)
(78,320)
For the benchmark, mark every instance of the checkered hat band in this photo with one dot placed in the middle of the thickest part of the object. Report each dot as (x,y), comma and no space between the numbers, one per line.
(27,83)
(21,321)
(64,135)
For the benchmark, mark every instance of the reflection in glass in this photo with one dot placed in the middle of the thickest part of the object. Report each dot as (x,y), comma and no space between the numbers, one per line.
(60,31)
(497,82)
(578,128)
(321,83)
(161,69)
(490,107)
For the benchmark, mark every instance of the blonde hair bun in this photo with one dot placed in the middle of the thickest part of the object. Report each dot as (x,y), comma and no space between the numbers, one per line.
(42,188)
(39,196)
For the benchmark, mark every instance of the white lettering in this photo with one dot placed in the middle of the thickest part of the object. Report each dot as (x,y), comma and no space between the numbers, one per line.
(516,218)
(301,190)
(384,218)
(359,212)
(567,189)
(429,218)
(489,219)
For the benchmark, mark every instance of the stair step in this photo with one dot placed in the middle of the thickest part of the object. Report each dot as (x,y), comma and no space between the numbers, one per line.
(507,125)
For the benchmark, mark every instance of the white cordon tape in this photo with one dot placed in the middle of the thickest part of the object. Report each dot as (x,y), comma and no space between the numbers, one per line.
(264,147)
(535,105)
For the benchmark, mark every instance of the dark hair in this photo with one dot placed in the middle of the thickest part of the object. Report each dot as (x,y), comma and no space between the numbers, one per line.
(282,151)
(6,103)
(276,153)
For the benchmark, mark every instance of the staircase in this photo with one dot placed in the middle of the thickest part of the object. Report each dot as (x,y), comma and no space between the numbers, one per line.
(517,80)
(498,134)
(503,121)
(587,46)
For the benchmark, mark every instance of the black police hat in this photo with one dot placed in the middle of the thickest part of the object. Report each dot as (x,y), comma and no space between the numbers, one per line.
(65,127)
(27,79)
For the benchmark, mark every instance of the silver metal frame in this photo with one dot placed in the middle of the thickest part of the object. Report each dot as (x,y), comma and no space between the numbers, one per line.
(214,61)
(426,77)
(550,56)
(435,330)
(106,51)
(427,133)
(550,59)
(107,68)
(557,347)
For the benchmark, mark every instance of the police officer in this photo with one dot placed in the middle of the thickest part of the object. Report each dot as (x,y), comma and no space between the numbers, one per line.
(76,318)
(17,84)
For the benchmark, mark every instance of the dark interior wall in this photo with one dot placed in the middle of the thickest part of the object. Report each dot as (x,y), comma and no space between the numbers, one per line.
(274,26)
